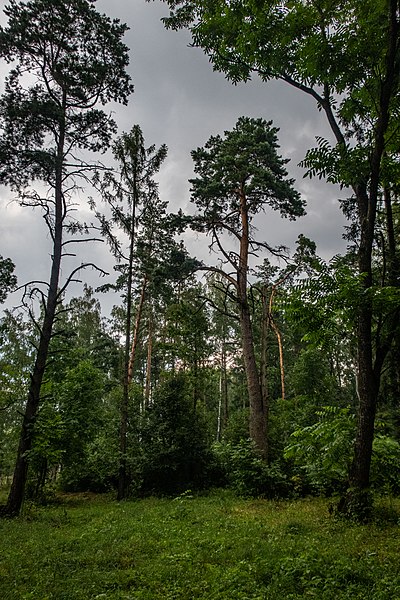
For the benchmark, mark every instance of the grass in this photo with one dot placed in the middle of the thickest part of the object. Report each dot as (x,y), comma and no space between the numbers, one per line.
(214,547)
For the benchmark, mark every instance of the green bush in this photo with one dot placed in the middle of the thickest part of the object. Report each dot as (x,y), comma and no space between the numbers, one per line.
(174,446)
(385,465)
(80,398)
(237,427)
(322,452)
(249,475)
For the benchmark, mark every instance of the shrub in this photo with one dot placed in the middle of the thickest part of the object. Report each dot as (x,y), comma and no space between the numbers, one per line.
(247,474)
(385,466)
(322,451)
(174,448)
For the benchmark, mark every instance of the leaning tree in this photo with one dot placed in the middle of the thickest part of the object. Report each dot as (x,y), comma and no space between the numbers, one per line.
(239,176)
(67,61)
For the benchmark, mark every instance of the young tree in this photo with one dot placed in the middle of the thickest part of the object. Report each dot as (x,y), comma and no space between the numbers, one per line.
(240,175)
(345,57)
(67,59)
(125,195)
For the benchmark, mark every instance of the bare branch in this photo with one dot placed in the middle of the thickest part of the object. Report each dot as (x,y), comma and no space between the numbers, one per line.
(220,272)
(80,241)
(73,273)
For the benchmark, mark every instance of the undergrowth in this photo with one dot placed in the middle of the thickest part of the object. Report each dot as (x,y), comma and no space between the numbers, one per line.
(214,547)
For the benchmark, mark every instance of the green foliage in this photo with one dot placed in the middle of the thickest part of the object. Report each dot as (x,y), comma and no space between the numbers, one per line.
(8,280)
(336,164)
(80,397)
(173,441)
(323,450)
(244,161)
(310,376)
(15,362)
(385,467)
(326,302)
(237,428)
(47,445)
(247,474)
(86,336)
(188,328)
(101,450)
(214,547)
(77,60)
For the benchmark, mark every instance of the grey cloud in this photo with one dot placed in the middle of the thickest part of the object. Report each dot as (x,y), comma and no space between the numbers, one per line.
(180,101)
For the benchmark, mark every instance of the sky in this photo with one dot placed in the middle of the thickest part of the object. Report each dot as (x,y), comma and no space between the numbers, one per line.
(180,101)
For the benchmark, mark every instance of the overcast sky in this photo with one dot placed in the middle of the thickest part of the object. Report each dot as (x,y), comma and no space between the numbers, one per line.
(180,101)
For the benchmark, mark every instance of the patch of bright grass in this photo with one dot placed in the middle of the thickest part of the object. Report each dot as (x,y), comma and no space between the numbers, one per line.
(214,547)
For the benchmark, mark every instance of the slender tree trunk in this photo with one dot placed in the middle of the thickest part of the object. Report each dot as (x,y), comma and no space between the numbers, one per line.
(219,414)
(224,387)
(41,480)
(393,269)
(264,347)
(148,363)
(280,349)
(17,492)
(124,410)
(136,329)
(275,329)
(195,367)
(223,390)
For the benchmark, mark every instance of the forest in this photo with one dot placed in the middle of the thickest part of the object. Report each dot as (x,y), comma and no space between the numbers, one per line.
(251,397)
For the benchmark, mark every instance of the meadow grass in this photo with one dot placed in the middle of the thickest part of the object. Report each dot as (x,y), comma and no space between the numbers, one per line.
(214,547)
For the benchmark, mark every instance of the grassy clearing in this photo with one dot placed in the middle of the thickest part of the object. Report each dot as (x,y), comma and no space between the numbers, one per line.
(216,548)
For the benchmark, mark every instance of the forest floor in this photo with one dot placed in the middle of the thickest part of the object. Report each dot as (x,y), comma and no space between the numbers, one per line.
(214,547)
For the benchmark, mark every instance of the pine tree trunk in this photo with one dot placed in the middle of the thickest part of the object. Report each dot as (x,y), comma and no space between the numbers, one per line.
(258,409)
(17,492)
(148,362)
(123,427)
(258,412)
(136,330)
(263,357)
(224,387)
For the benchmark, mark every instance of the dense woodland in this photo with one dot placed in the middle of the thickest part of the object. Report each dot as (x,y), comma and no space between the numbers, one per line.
(272,372)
